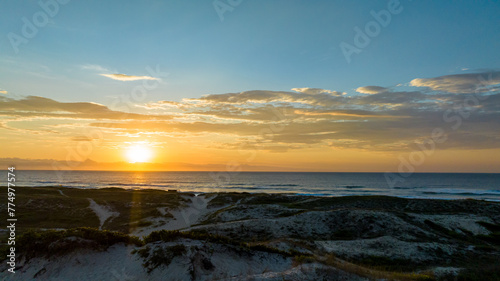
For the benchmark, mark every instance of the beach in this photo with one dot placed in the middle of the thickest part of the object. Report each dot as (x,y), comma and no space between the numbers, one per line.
(124,234)
(480,186)
(250,140)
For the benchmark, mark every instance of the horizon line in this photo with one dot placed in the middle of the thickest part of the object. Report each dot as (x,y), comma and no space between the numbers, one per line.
(236,172)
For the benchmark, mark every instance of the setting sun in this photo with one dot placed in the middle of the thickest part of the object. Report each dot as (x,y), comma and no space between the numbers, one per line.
(138,153)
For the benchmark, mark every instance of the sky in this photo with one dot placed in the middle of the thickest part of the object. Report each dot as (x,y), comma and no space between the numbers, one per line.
(348,86)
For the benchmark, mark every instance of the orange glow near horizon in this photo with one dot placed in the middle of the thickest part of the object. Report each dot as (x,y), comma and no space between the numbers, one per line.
(138,153)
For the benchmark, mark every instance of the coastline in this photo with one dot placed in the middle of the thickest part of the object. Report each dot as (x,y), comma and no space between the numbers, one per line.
(318,235)
(419,185)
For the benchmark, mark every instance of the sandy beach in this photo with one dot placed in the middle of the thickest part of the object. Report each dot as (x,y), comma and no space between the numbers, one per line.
(117,234)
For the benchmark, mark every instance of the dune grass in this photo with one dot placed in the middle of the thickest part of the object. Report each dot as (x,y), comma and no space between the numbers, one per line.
(58,242)
(373,272)
(160,255)
(64,208)
(174,235)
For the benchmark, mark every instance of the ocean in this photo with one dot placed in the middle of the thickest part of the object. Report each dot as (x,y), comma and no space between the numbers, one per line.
(418,185)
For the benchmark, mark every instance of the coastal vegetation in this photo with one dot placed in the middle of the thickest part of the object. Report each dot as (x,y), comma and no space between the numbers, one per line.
(374,237)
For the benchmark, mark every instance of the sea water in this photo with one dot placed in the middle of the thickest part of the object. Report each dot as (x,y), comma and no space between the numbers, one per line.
(418,185)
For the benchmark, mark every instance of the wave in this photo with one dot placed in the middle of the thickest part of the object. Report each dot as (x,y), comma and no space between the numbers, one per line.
(284,185)
(354,186)
(247,187)
(409,187)
(464,192)
(193,182)
(314,194)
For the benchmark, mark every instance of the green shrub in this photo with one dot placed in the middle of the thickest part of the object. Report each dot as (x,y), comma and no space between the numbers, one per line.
(491,227)
(304,259)
(480,273)
(52,242)
(173,235)
(493,238)
(344,234)
(385,263)
(264,248)
(162,256)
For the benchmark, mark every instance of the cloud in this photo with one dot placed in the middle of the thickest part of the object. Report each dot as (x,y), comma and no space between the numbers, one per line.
(94,67)
(460,83)
(88,164)
(370,89)
(81,138)
(308,97)
(390,98)
(125,77)
(40,107)
(297,119)
(161,105)
(316,91)
(3,92)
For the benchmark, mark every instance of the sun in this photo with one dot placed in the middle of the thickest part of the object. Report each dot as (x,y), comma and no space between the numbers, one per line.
(138,153)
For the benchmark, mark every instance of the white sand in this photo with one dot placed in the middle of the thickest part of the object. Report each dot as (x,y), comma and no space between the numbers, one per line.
(118,263)
(184,218)
(60,191)
(398,241)
(458,221)
(385,246)
(102,212)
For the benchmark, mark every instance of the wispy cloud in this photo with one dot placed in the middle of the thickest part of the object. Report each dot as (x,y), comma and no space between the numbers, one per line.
(106,72)
(383,120)
(125,77)
(459,83)
(371,89)
(45,108)
(317,91)
(94,67)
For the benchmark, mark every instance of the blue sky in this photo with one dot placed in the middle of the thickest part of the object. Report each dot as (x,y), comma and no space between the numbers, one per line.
(260,45)
(201,85)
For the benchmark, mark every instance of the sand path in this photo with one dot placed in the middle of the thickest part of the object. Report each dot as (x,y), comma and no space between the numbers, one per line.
(183,218)
(102,212)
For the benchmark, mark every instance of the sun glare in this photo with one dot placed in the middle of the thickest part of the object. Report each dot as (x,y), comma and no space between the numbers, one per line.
(138,153)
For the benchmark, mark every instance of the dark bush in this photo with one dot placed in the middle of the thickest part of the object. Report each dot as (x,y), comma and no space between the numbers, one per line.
(163,256)
(52,242)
